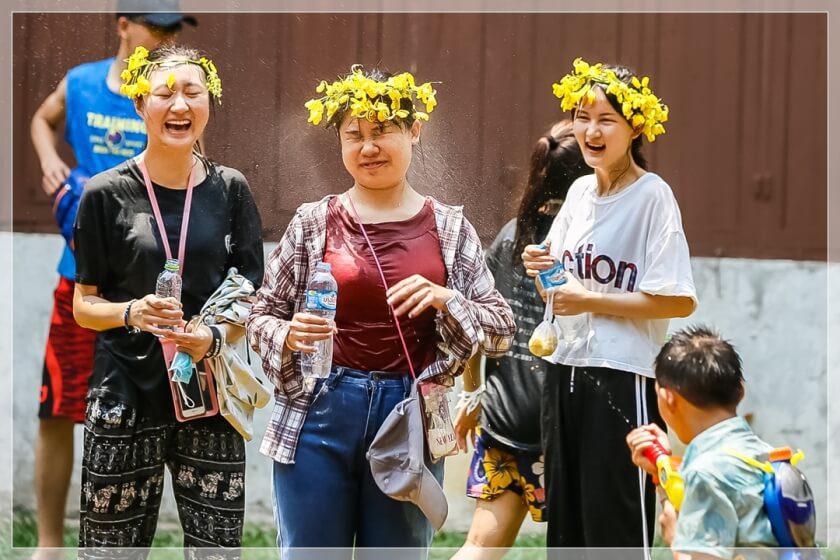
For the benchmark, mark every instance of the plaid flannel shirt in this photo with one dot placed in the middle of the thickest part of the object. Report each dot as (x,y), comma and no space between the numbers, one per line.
(477,319)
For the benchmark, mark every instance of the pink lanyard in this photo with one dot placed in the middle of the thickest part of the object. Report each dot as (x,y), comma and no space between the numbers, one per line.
(185,220)
(385,282)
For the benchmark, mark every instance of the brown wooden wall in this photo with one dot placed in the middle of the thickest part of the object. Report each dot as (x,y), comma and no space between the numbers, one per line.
(745,150)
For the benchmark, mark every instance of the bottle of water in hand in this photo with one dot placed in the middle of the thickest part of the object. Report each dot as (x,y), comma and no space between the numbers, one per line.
(321,299)
(169,284)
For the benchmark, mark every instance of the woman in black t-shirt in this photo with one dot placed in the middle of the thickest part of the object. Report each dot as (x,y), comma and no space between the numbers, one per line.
(502,415)
(169,202)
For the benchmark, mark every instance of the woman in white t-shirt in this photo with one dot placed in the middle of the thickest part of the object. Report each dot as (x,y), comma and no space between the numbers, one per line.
(619,236)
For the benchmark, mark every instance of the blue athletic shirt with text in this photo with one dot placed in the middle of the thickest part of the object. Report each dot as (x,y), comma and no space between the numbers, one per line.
(101,126)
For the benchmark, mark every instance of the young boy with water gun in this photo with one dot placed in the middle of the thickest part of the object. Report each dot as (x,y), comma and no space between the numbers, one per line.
(732,489)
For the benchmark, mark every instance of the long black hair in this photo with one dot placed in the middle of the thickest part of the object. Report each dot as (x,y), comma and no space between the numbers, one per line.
(626,75)
(556,162)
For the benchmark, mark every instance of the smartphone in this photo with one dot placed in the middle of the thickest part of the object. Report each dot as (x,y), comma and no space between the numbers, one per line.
(191,397)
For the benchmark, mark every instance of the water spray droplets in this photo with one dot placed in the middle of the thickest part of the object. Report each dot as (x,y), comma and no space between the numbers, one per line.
(612,405)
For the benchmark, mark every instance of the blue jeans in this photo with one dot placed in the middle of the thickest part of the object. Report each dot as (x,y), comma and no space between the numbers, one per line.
(328,497)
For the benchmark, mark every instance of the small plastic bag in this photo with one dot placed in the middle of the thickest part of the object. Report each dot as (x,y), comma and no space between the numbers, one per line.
(543,341)
(440,433)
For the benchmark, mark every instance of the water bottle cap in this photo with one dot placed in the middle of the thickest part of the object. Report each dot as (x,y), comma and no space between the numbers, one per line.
(173,265)
(324,266)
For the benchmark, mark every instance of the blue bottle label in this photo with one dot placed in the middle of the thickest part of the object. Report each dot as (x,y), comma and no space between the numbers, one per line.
(321,300)
(553,277)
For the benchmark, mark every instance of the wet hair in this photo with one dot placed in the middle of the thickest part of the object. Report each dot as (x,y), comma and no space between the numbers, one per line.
(166,51)
(556,161)
(379,75)
(625,75)
(702,367)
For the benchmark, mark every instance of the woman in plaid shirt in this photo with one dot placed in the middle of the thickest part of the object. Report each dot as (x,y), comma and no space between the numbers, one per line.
(440,289)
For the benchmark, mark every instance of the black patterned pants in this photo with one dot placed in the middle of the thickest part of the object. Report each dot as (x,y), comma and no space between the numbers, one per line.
(122,481)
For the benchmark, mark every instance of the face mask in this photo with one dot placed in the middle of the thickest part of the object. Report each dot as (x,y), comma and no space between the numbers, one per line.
(181,369)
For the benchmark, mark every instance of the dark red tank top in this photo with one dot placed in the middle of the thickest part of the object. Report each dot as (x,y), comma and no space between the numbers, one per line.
(367,338)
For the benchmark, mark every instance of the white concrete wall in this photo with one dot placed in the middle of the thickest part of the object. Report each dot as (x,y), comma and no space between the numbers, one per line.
(774,311)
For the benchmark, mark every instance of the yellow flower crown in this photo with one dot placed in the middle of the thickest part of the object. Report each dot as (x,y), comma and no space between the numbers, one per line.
(136,77)
(639,105)
(371,99)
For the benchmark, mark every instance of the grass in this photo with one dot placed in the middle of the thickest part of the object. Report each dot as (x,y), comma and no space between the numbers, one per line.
(25,535)
(261,539)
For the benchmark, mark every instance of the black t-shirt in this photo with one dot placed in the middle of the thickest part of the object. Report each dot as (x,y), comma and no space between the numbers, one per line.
(118,249)
(511,403)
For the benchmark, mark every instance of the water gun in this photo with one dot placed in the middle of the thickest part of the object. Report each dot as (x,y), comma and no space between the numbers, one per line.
(788,499)
(667,475)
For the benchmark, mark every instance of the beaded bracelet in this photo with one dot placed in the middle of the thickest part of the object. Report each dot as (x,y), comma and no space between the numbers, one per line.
(126,314)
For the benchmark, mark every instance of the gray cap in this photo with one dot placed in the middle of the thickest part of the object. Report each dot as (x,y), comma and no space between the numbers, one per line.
(160,13)
(397,461)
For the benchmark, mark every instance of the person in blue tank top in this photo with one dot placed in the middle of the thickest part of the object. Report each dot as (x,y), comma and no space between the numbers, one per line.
(103,129)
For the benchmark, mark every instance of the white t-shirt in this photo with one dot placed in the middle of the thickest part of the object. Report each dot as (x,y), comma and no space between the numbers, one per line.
(632,241)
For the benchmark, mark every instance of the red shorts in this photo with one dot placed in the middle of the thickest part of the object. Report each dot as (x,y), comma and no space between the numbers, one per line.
(68,360)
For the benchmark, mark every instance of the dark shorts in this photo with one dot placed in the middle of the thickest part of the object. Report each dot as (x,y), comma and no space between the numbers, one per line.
(68,360)
(495,468)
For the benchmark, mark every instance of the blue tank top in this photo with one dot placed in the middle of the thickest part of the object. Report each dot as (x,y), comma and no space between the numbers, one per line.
(102,128)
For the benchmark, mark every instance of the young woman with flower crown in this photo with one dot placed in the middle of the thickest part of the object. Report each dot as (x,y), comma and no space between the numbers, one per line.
(439,288)
(619,236)
(169,200)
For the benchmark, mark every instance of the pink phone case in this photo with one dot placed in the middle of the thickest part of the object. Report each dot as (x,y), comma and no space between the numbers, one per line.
(208,389)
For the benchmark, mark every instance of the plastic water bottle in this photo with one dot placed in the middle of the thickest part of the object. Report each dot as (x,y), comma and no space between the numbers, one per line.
(169,284)
(321,299)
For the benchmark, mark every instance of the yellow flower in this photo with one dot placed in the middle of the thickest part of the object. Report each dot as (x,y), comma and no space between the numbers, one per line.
(638,120)
(135,76)
(528,490)
(142,87)
(396,97)
(375,100)
(581,67)
(382,112)
(489,492)
(214,83)
(357,108)
(639,106)
(500,468)
(332,107)
(536,513)
(316,110)
(138,58)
